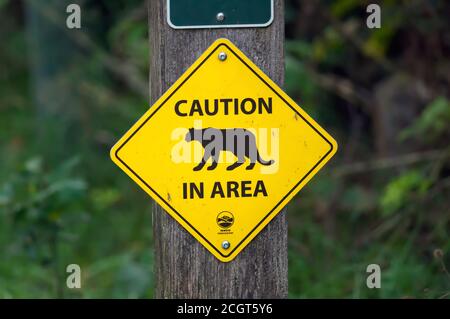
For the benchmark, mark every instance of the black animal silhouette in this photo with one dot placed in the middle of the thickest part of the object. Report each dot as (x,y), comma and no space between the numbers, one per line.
(239,141)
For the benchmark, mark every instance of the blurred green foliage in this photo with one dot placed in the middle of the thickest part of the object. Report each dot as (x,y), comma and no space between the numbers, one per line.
(432,124)
(390,209)
(384,199)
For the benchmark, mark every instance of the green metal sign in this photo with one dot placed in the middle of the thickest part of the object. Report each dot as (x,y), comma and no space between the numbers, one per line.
(202,14)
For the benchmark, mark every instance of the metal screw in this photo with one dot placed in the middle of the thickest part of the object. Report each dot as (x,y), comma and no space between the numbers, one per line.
(220,16)
(226,244)
(222,56)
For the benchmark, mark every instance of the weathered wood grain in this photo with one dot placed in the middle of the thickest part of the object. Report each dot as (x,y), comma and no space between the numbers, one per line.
(183,267)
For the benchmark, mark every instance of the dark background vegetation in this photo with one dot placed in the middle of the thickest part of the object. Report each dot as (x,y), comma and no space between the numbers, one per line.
(66,96)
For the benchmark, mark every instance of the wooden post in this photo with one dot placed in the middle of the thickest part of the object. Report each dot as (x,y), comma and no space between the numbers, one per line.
(183,267)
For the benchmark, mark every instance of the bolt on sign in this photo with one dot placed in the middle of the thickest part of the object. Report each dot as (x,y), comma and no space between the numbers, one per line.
(185,14)
(223,150)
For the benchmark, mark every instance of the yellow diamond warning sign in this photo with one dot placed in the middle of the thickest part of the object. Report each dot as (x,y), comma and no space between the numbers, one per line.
(223,150)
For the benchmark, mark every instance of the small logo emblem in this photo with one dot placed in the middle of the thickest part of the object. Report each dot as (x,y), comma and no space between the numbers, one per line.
(225,220)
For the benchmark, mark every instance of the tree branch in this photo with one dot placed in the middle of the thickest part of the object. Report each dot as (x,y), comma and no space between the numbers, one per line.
(408,159)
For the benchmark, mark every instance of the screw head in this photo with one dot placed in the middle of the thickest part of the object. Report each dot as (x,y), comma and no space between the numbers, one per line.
(222,56)
(226,244)
(220,17)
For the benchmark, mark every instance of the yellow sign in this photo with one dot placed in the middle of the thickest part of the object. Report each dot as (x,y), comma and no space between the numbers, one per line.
(223,150)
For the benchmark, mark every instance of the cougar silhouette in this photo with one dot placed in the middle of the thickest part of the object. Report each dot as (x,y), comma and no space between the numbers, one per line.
(239,141)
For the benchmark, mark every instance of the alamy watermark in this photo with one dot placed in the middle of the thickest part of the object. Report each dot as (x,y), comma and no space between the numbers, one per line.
(374,279)
(374,19)
(73,280)
(73,20)
(232,146)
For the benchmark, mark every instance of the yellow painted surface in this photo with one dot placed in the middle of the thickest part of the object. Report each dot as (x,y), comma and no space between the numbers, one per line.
(157,156)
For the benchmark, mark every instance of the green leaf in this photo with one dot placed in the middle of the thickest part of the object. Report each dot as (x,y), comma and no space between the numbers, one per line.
(432,123)
(399,191)
(379,40)
(34,165)
(104,198)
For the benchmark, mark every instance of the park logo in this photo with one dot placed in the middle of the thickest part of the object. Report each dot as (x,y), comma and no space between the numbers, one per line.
(225,220)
